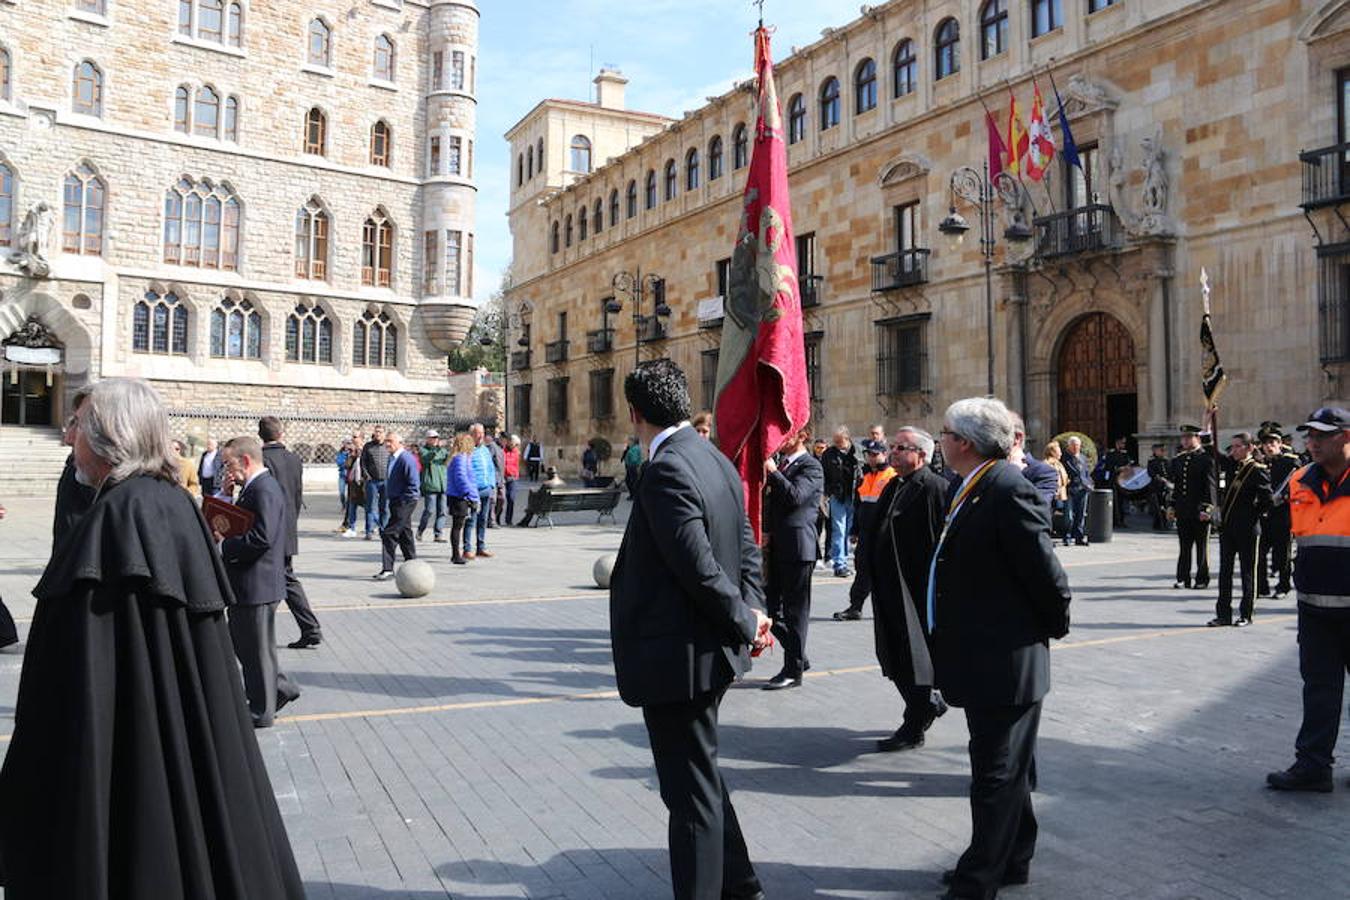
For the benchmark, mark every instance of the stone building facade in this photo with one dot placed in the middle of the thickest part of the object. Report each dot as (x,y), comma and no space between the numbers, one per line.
(1191,118)
(259,207)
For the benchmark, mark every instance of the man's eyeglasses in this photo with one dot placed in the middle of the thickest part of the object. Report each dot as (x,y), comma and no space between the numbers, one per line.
(948,431)
(905,448)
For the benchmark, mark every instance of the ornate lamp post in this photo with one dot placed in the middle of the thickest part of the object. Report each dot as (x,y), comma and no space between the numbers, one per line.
(977,188)
(637,286)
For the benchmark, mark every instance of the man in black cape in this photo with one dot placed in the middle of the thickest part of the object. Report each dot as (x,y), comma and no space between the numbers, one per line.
(134,772)
(898,553)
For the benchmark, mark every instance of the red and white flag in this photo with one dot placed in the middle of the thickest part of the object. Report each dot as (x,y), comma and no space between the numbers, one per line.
(1042,146)
(762,391)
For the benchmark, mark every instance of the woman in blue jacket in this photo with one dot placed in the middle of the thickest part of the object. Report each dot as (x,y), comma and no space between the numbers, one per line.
(462,490)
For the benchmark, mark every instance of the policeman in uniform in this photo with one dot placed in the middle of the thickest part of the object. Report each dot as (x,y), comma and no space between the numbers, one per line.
(1275,536)
(1319,508)
(1245,500)
(1194,494)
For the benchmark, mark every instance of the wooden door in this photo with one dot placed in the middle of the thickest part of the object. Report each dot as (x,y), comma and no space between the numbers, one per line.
(1096,361)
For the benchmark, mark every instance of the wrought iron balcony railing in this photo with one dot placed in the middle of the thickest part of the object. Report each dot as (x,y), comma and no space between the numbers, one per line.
(811,288)
(600,341)
(520,360)
(1087,229)
(556,351)
(651,329)
(903,269)
(1326,176)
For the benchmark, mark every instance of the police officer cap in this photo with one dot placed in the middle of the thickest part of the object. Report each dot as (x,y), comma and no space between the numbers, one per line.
(871,446)
(1190,429)
(1327,419)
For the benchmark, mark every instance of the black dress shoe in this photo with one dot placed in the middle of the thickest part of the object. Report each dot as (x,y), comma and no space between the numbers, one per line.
(1201,585)
(305,642)
(1010,878)
(1301,779)
(848,615)
(753,894)
(1241,622)
(1218,622)
(283,699)
(783,680)
(900,741)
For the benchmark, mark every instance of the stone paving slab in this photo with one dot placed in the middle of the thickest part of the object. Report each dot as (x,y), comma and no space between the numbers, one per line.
(470,745)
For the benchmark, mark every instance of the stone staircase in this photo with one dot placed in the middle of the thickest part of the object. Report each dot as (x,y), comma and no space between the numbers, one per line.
(31,460)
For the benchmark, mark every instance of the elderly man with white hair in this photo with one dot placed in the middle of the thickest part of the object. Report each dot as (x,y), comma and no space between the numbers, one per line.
(134,771)
(1080,489)
(996,596)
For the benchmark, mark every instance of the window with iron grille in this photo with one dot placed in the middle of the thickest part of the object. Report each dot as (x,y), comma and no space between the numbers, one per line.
(708,376)
(723,278)
(902,355)
(557,401)
(520,404)
(1333,303)
(814,381)
(602,394)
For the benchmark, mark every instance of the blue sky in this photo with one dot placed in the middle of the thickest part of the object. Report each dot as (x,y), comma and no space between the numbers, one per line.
(675,53)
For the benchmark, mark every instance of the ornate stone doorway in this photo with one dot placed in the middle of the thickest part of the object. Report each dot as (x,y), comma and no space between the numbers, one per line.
(30,383)
(1096,380)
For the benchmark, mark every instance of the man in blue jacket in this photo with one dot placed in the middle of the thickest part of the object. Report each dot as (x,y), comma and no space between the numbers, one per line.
(403,486)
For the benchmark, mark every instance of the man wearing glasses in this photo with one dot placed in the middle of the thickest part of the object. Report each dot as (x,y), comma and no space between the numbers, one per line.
(1319,511)
(896,552)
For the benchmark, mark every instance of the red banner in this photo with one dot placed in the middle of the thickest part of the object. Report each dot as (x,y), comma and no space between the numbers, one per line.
(762,391)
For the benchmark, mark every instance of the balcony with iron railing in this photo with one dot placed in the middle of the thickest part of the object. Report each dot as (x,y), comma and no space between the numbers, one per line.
(711,311)
(905,268)
(1086,229)
(520,360)
(651,329)
(1326,176)
(556,351)
(600,341)
(811,288)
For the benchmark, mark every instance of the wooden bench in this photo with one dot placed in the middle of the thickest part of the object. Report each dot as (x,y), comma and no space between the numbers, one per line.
(544,502)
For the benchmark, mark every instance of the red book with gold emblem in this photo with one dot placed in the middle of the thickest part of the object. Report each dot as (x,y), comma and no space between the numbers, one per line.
(225,518)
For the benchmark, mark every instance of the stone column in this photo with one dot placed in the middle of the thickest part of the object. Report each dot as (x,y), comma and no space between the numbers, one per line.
(1160,387)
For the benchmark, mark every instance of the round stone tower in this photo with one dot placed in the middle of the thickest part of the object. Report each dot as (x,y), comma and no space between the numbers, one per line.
(449,192)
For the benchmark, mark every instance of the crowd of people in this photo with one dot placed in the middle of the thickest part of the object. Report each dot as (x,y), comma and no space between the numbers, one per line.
(151,657)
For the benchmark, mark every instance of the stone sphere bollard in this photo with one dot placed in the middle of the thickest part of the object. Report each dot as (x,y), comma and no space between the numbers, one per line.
(603,569)
(415,578)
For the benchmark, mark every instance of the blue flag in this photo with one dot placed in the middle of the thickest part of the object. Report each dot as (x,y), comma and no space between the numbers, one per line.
(1069,149)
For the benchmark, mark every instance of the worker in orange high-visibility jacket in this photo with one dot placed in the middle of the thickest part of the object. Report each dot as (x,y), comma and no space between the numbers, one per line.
(877,473)
(1319,507)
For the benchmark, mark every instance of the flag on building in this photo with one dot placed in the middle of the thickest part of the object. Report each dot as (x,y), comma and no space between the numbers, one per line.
(1018,143)
(998,151)
(1212,377)
(1068,147)
(1041,143)
(762,390)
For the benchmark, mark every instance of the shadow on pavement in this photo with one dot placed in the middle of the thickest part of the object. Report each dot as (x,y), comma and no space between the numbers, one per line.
(642,874)
(325,890)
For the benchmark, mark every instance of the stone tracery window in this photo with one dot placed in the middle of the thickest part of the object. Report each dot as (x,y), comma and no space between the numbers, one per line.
(83,206)
(201,226)
(377,250)
(236,329)
(309,335)
(159,324)
(311,241)
(375,341)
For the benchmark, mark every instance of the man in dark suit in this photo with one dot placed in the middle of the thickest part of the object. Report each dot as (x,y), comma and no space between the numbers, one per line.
(1245,500)
(1195,489)
(1080,490)
(289,472)
(403,487)
(996,597)
(898,552)
(1042,476)
(256,565)
(1275,530)
(1159,486)
(682,624)
(794,490)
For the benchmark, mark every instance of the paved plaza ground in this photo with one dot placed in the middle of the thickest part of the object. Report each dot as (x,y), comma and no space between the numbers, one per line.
(471,745)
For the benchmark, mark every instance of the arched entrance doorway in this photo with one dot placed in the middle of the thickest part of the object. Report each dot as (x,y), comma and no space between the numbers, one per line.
(29,385)
(1096,380)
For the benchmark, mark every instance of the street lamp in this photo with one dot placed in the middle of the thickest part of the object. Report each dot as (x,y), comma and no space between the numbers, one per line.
(977,188)
(506,323)
(637,286)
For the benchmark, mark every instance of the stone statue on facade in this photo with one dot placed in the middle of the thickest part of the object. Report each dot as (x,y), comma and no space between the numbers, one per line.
(1150,218)
(31,244)
(32,333)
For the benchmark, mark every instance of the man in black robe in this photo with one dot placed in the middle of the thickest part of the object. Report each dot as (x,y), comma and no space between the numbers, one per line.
(133,772)
(899,551)
(73,499)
